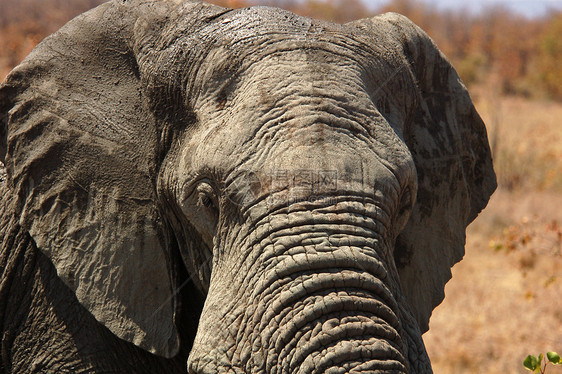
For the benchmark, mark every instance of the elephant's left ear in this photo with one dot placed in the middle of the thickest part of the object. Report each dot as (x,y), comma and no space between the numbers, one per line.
(449,145)
(80,144)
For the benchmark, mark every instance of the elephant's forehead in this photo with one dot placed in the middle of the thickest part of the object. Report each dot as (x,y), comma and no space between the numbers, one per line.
(307,67)
(286,103)
(315,138)
(291,101)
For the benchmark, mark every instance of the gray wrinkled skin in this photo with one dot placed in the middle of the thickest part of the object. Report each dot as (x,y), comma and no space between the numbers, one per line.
(197,189)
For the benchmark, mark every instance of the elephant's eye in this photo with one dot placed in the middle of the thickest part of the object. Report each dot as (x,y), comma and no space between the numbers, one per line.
(205,198)
(201,209)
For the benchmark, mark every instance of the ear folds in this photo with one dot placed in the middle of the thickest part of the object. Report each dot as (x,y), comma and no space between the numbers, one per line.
(81,158)
(449,146)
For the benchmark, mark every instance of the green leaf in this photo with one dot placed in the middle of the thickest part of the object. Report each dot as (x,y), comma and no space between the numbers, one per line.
(530,363)
(554,358)
(539,362)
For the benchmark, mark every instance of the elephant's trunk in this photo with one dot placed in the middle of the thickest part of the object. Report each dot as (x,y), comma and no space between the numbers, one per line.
(315,295)
(330,316)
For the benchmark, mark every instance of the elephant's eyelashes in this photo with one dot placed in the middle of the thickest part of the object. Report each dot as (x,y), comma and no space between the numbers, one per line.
(207,202)
(206,199)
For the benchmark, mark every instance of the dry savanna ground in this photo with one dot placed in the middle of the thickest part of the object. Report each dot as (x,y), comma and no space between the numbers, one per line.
(505,298)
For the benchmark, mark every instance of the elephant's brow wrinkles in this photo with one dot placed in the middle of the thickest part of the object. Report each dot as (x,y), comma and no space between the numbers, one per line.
(277,127)
(255,47)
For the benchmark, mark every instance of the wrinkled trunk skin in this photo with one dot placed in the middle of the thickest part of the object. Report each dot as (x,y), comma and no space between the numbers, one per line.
(314,293)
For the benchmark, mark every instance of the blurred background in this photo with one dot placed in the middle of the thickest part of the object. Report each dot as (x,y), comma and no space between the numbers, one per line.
(505,298)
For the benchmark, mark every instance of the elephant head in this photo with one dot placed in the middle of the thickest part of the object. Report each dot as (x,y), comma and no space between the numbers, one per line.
(312,182)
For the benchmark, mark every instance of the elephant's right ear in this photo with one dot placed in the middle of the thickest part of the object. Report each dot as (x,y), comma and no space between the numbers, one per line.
(80,144)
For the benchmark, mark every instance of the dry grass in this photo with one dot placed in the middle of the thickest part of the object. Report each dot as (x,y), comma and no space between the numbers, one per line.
(505,303)
(526,139)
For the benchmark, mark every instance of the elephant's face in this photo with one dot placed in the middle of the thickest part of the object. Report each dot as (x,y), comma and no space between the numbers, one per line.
(276,158)
(297,186)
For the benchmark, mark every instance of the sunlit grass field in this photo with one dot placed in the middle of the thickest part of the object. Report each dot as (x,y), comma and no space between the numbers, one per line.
(505,298)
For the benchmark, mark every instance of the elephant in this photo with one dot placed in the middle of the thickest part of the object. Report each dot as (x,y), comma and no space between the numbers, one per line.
(191,188)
